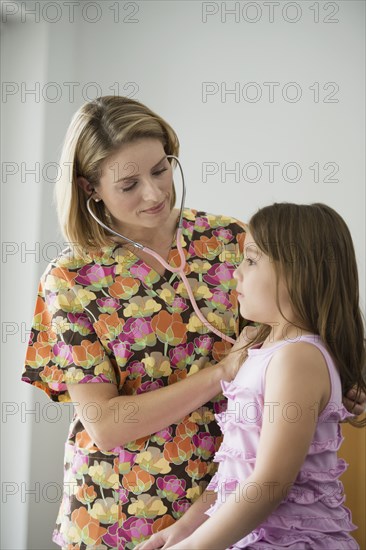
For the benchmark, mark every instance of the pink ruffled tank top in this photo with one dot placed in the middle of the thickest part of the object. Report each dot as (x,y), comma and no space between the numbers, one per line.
(312,515)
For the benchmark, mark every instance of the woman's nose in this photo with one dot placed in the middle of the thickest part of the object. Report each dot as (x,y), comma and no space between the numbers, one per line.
(150,191)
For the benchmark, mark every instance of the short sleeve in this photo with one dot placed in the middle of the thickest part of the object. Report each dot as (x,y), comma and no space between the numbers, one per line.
(63,347)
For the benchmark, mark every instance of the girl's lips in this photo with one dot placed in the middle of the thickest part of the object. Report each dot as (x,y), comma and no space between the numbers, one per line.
(156,209)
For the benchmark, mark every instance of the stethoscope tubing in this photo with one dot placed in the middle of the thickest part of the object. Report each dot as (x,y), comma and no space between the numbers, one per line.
(179,270)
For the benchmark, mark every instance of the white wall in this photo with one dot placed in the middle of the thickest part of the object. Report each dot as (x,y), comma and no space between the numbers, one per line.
(166,55)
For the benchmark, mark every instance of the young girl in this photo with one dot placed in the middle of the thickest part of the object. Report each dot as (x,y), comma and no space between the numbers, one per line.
(277,484)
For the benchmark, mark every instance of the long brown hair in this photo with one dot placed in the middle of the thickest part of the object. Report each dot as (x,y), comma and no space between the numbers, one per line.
(312,248)
(97,130)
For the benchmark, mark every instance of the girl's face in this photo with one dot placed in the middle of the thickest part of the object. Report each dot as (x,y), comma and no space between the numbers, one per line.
(136,186)
(256,287)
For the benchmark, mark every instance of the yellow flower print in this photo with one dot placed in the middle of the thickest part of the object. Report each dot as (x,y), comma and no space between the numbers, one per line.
(106,369)
(167,293)
(103,474)
(202,416)
(72,262)
(231,254)
(199,289)
(152,461)
(219,221)
(84,296)
(141,307)
(147,507)
(105,511)
(60,324)
(67,301)
(193,370)
(195,325)
(196,491)
(157,365)
(200,266)
(73,375)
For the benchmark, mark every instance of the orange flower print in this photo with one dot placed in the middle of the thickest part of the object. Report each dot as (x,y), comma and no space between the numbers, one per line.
(83,441)
(88,529)
(124,287)
(137,445)
(175,261)
(38,355)
(207,248)
(88,354)
(138,481)
(86,494)
(220,350)
(179,450)
(52,375)
(59,278)
(42,317)
(196,469)
(162,523)
(176,376)
(169,328)
(109,326)
(187,428)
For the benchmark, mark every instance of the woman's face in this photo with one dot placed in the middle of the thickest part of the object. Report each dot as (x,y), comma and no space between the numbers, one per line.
(136,186)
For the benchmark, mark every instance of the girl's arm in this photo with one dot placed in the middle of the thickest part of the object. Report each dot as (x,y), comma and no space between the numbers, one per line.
(292,405)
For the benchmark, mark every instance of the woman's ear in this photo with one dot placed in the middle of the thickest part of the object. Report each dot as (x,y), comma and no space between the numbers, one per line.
(88,188)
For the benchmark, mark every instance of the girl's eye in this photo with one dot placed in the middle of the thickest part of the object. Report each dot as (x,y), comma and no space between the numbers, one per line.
(249,261)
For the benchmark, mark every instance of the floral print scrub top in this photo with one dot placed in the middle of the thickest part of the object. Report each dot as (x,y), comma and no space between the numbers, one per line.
(111,318)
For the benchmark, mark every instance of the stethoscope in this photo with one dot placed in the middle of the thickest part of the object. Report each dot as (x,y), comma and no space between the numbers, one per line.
(179,270)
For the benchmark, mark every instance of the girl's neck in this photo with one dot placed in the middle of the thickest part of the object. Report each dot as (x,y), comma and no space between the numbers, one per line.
(284,331)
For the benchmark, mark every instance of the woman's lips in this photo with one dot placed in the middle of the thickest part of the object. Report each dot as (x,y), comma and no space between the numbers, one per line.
(156,209)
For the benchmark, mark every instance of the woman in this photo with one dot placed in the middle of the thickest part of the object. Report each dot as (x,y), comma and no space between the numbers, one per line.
(114,331)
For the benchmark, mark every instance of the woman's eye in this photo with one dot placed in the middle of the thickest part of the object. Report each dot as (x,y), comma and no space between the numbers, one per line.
(124,189)
(160,171)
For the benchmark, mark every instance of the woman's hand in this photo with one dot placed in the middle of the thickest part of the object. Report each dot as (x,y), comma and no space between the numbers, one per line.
(236,356)
(164,539)
(353,407)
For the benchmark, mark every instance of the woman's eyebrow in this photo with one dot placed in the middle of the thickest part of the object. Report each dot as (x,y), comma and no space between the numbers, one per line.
(126,178)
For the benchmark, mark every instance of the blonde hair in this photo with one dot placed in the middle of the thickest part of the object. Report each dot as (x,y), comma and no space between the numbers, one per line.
(97,130)
(312,248)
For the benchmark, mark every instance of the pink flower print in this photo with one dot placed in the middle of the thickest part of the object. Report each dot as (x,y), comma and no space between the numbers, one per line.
(180,507)
(136,369)
(79,465)
(95,276)
(138,332)
(162,436)
(203,344)
(121,352)
(134,530)
(178,305)
(79,322)
(205,445)
(201,224)
(145,273)
(188,228)
(182,355)
(125,460)
(221,275)
(219,301)
(220,406)
(171,487)
(108,305)
(62,354)
(115,536)
(150,386)
(224,235)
